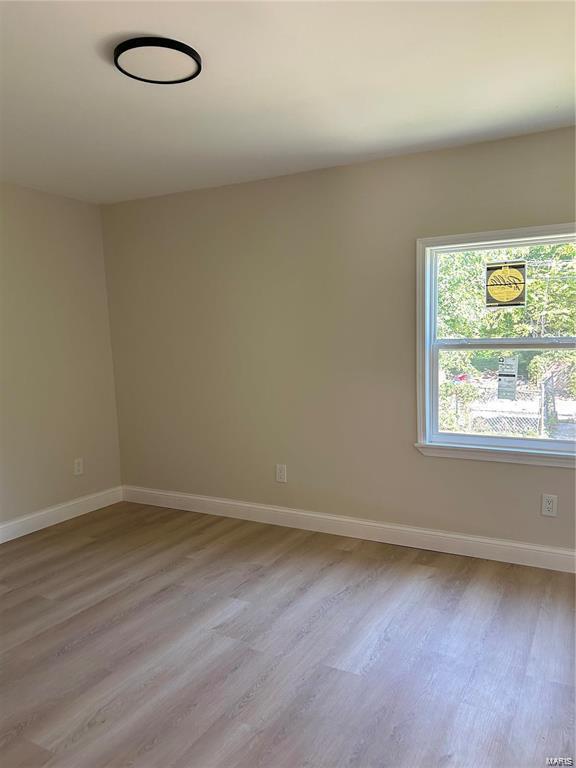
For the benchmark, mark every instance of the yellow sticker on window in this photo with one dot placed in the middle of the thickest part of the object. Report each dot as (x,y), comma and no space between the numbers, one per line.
(506,284)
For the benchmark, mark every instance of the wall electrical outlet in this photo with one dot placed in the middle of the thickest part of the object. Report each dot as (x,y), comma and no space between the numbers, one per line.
(281,476)
(549,505)
(78,467)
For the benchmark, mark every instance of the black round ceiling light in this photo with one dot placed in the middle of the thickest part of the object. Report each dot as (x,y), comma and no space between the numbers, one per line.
(157,60)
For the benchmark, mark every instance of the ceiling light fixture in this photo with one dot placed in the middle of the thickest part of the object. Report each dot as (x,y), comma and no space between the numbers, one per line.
(157,60)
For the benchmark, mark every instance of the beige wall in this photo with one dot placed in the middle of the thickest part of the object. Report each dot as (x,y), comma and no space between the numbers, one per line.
(275,322)
(58,395)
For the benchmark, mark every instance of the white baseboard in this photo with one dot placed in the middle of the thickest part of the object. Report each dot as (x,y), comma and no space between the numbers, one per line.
(504,550)
(20,526)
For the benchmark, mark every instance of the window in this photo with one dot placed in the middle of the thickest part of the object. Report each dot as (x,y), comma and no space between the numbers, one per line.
(496,346)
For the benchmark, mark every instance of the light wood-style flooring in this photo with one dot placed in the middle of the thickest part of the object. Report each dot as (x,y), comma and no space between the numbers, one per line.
(152,638)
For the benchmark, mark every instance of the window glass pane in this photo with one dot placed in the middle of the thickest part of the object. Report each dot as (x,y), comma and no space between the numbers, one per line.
(550,308)
(508,393)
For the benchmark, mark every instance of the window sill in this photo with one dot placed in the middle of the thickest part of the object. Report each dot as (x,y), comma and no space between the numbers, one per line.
(517,456)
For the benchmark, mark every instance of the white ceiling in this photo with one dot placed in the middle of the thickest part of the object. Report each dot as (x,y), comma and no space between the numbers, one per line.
(286,87)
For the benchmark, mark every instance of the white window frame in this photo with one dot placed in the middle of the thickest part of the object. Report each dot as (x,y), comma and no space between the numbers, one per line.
(431,442)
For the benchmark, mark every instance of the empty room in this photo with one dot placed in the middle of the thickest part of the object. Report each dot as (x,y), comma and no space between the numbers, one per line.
(288,370)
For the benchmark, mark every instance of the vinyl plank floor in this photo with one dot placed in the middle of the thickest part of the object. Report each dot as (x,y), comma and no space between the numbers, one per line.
(155,638)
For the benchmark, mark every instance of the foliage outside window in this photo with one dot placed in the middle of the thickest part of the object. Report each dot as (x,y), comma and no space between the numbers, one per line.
(466,345)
